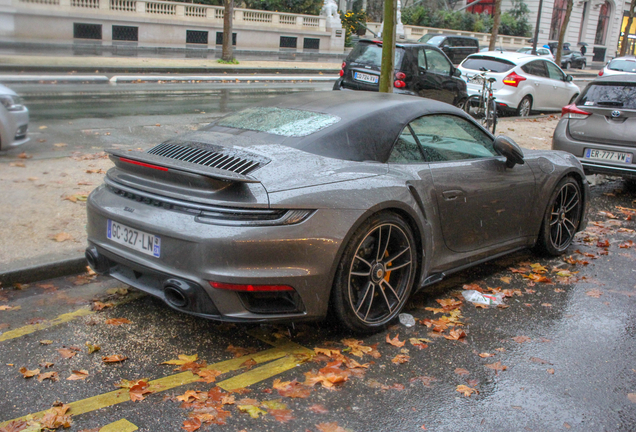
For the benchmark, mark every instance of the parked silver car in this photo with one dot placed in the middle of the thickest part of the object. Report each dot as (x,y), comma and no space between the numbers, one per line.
(524,83)
(14,119)
(599,128)
(619,66)
(342,200)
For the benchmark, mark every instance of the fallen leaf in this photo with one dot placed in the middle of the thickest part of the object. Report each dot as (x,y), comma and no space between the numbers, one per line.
(17,164)
(467,391)
(66,353)
(46,365)
(238,351)
(330,427)
(419,342)
(139,391)
(254,411)
(248,364)
(400,358)
(358,349)
(594,293)
(56,417)
(395,341)
(114,358)
(29,373)
(291,389)
(486,355)
(505,279)
(631,397)
(182,359)
(92,348)
(546,304)
(550,371)
(426,380)
(208,375)
(62,237)
(97,305)
(455,335)
(48,375)
(78,375)
(117,321)
(281,415)
(497,366)
(8,308)
(461,371)
(192,424)
(320,409)
(75,198)
(521,339)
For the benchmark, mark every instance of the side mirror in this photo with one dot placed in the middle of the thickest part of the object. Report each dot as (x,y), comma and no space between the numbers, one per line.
(457,73)
(568,78)
(510,150)
(445,48)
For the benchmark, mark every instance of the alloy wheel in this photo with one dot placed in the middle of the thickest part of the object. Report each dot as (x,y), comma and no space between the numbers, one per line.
(524,107)
(380,274)
(564,216)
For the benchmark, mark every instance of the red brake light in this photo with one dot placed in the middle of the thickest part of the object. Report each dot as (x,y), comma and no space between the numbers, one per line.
(600,73)
(513,79)
(344,64)
(574,112)
(250,287)
(399,84)
(134,162)
(341,72)
(400,75)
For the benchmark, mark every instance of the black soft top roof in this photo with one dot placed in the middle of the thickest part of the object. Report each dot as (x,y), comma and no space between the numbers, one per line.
(369,123)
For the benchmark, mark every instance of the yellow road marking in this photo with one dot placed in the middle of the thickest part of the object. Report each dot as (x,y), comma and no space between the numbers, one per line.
(284,350)
(64,318)
(122,425)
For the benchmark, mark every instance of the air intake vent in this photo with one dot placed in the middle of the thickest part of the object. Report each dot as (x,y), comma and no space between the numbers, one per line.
(239,164)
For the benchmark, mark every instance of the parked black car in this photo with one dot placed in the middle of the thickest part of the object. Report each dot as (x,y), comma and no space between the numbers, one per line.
(573,60)
(567,50)
(457,48)
(420,70)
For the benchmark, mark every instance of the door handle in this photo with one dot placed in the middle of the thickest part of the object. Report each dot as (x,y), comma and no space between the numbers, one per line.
(451,195)
(537,84)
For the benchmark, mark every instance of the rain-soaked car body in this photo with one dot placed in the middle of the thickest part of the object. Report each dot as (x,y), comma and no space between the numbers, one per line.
(344,200)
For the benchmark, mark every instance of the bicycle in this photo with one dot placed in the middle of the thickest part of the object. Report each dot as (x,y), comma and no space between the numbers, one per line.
(482,107)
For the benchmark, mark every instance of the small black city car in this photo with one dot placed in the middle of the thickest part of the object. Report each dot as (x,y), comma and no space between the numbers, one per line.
(420,70)
(573,60)
(457,48)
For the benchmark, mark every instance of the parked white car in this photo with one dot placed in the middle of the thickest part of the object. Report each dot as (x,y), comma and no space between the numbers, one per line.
(14,119)
(524,83)
(619,65)
(541,52)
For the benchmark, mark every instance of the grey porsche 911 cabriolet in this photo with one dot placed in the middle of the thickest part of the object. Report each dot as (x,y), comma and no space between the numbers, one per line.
(348,201)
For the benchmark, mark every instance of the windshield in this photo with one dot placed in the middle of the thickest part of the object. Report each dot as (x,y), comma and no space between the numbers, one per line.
(623,65)
(371,54)
(488,64)
(279,121)
(525,50)
(436,40)
(610,95)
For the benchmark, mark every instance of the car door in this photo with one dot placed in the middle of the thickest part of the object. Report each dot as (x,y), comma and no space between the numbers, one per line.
(537,76)
(561,93)
(435,80)
(481,203)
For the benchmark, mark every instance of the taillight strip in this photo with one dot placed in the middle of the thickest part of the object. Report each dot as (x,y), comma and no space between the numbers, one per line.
(250,287)
(143,164)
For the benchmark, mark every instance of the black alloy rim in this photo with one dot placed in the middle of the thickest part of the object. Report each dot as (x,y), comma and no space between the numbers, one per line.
(380,274)
(564,217)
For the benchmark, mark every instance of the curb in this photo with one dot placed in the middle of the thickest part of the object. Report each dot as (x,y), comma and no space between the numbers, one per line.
(40,272)
(52,79)
(211,79)
(163,70)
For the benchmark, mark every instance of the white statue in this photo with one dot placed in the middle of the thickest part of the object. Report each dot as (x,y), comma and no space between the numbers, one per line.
(399,27)
(330,10)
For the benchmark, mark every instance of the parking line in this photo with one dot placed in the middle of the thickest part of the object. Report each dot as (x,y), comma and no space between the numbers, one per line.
(285,353)
(122,425)
(64,318)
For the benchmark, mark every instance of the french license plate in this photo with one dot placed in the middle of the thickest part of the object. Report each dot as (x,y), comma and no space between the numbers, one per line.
(608,155)
(133,238)
(365,77)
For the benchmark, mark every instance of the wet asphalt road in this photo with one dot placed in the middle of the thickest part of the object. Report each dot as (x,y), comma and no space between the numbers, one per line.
(572,365)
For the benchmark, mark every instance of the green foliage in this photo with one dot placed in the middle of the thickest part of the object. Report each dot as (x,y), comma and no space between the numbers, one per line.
(308,7)
(353,23)
(233,61)
(514,22)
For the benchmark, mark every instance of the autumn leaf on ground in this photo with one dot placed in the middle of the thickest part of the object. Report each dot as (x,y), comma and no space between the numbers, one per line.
(400,358)
(631,397)
(538,360)
(505,279)
(291,389)
(473,287)
(538,278)
(449,304)
(521,339)
(208,375)
(252,410)
(56,418)
(546,304)
(419,342)
(538,268)
(238,351)
(327,351)
(46,365)
(8,308)
(357,348)
(594,293)
(97,305)
(395,341)
(550,371)
(117,321)
(467,391)
(248,364)
(75,198)
(486,355)
(138,391)
(497,366)
(426,380)
(192,424)
(29,373)
(330,427)
(328,376)
(455,335)
(114,358)
(320,409)
(62,237)
(66,353)
(435,310)
(48,375)
(183,359)
(461,371)
(281,415)
(78,375)
(92,348)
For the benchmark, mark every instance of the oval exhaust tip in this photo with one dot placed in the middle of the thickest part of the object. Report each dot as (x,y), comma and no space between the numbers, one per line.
(175,296)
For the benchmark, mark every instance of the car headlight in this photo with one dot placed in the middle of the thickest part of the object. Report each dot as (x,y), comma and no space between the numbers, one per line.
(11,102)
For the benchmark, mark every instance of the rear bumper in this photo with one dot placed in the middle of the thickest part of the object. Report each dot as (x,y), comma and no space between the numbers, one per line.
(562,140)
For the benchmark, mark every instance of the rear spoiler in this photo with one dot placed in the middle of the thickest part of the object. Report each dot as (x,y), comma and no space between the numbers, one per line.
(164,164)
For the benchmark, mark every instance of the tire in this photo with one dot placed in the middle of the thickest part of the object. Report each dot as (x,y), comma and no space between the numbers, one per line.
(583,65)
(367,295)
(491,122)
(561,218)
(471,106)
(567,65)
(525,106)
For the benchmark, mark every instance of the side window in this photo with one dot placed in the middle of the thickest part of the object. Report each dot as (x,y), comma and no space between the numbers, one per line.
(446,137)
(536,68)
(454,42)
(421,59)
(437,62)
(406,149)
(554,72)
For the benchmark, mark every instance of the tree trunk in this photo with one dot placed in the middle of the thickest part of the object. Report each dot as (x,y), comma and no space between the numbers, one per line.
(630,19)
(495,25)
(388,46)
(228,18)
(564,28)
